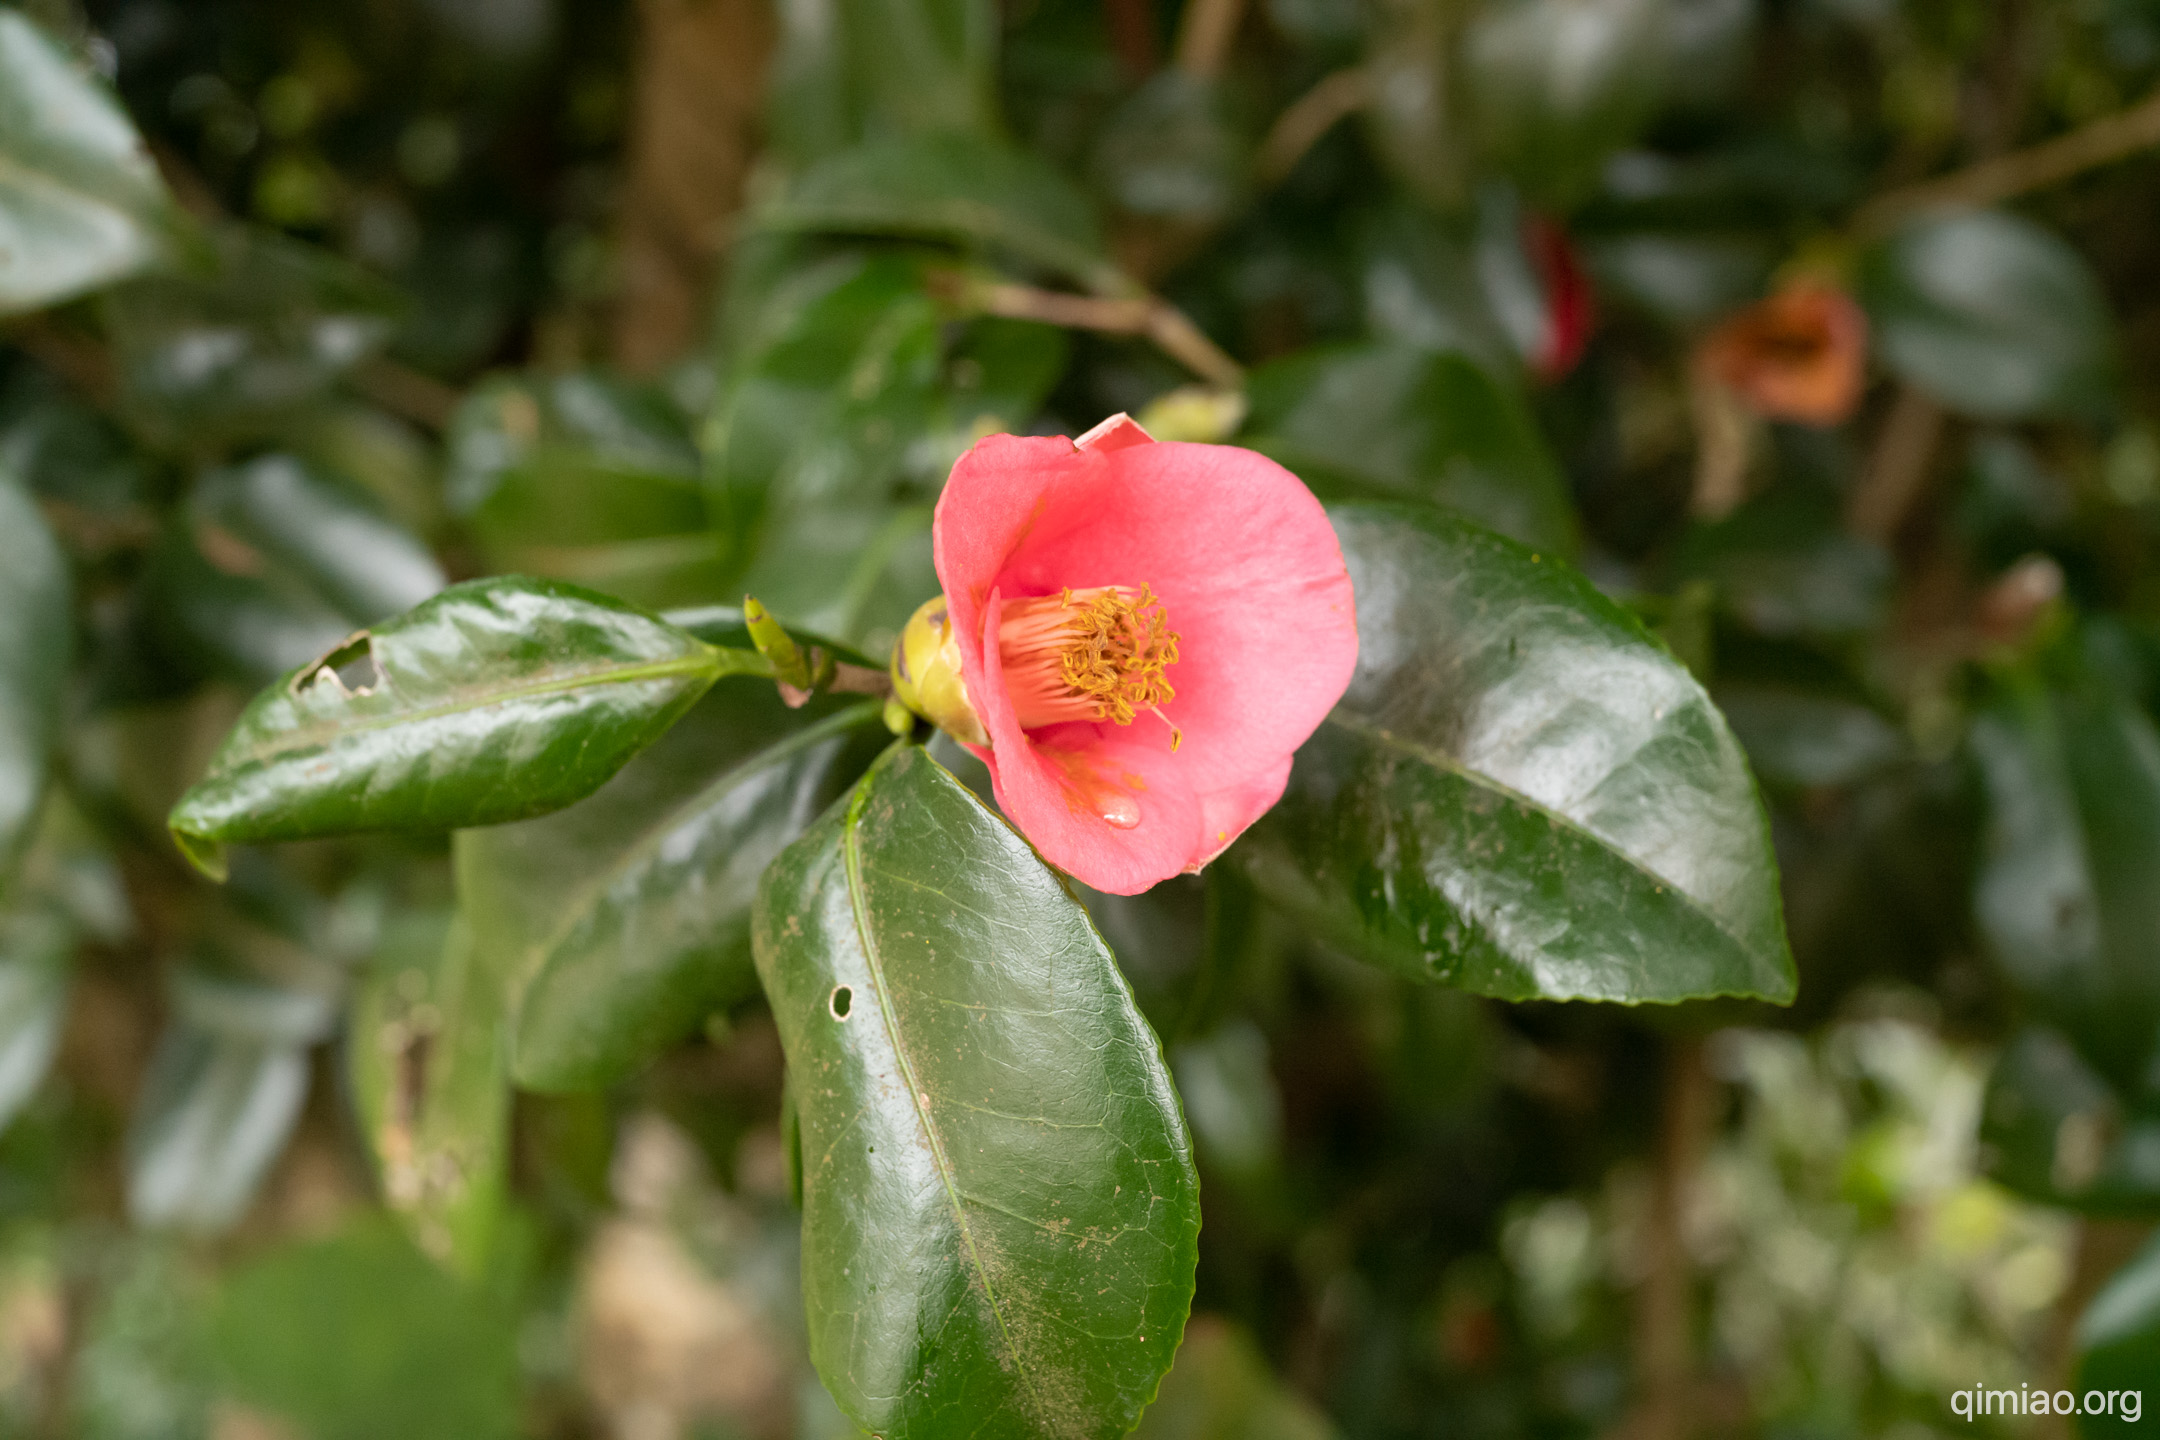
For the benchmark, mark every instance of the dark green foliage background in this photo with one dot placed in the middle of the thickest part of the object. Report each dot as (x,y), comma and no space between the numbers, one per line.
(562,977)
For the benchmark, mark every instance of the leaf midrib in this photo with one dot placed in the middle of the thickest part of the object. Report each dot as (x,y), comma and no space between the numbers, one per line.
(1441,761)
(715,662)
(858,901)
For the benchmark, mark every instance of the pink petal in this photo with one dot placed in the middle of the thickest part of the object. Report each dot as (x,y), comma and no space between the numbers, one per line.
(1226,814)
(1250,574)
(1251,577)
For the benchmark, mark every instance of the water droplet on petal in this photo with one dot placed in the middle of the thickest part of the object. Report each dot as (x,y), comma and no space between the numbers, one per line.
(1118,810)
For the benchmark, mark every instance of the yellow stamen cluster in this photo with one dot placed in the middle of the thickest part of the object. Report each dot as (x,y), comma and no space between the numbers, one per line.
(1094,654)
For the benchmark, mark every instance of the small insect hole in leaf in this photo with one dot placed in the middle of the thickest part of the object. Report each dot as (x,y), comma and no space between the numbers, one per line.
(843,1000)
(350,667)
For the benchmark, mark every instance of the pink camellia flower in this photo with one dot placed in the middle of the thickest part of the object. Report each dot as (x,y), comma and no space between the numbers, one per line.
(1134,637)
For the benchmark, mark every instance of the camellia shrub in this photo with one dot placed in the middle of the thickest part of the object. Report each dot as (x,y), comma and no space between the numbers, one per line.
(696,704)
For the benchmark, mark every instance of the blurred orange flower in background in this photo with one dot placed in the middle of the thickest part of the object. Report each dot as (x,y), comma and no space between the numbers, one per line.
(1799,355)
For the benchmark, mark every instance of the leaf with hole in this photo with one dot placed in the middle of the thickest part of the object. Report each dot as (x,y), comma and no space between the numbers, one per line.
(1522,793)
(496,700)
(999,1204)
(81,204)
(429,1069)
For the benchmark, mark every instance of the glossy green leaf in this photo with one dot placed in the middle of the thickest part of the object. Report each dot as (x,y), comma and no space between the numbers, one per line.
(222,1092)
(1392,420)
(429,1065)
(2118,1347)
(357,1336)
(81,204)
(1991,314)
(583,477)
(496,700)
(858,70)
(960,189)
(999,1205)
(1221,1389)
(36,631)
(1522,793)
(36,944)
(626,917)
(229,351)
(2067,892)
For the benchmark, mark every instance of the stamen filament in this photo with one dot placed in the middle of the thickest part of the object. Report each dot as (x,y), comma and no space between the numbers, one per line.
(1096,654)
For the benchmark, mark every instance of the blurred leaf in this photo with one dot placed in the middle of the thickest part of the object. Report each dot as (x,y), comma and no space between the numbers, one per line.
(626,918)
(1685,280)
(2055,1131)
(143,1370)
(999,1206)
(62,449)
(229,352)
(332,533)
(960,189)
(430,1075)
(81,204)
(239,616)
(36,634)
(275,563)
(1991,314)
(839,426)
(359,1337)
(2118,1342)
(2068,889)
(1231,1099)
(1422,287)
(1802,737)
(36,944)
(585,477)
(222,1093)
(1390,421)
(1221,1389)
(847,71)
(1522,794)
(1557,85)
(1785,566)
(1170,151)
(496,700)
